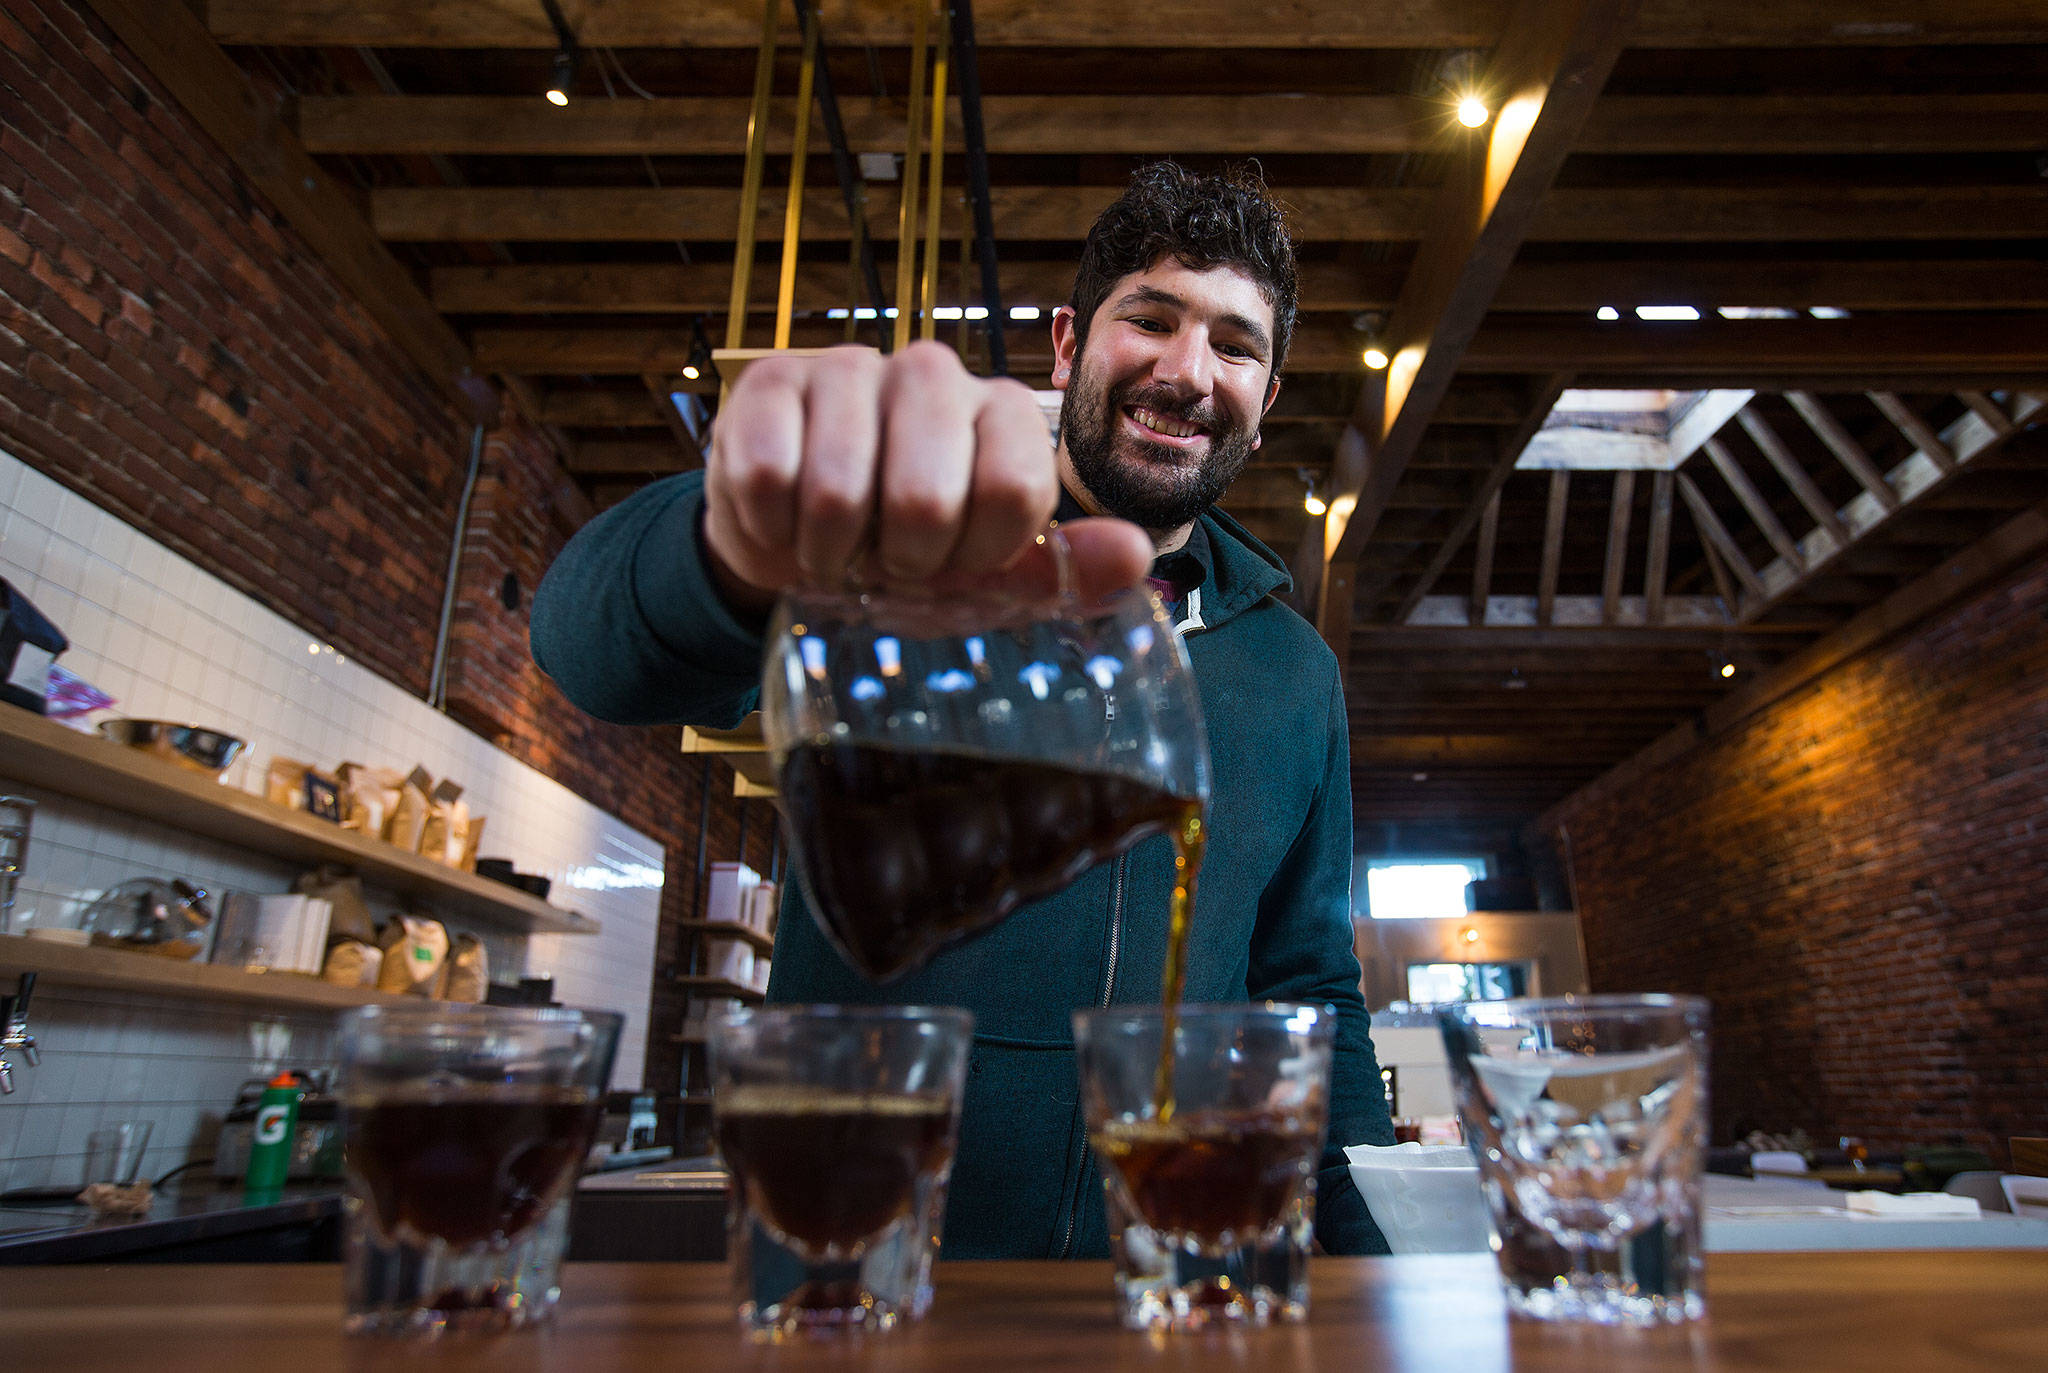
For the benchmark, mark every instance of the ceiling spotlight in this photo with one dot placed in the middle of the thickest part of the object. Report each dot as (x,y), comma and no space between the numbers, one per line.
(1727,669)
(1314,504)
(1472,111)
(691,371)
(564,76)
(1469,934)
(1376,357)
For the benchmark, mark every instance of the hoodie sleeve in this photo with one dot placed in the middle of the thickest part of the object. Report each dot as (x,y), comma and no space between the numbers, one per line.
(1301,951)
(630,625)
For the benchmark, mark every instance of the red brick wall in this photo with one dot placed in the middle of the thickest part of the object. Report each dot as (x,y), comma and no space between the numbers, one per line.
(170,349)
(1858,877)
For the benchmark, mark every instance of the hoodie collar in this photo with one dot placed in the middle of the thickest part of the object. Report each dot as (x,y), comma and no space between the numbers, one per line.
(1233,570)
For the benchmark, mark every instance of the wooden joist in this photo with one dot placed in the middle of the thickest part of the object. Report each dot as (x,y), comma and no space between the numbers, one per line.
(1128,124)
(1333,24)
(2010,283)
(1934,345)
(1548,67)
(1635,214)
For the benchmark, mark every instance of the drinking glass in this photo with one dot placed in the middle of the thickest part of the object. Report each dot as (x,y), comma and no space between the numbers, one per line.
(464,1129)
(113,1153)
(945,759)
(837,1124)
(1588,1119)
(1209,1122)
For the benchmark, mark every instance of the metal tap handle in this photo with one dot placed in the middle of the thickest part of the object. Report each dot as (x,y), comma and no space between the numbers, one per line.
(6,1078)
(14,1031)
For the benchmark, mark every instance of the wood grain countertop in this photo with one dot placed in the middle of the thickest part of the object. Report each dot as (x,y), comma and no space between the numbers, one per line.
(1923,1312)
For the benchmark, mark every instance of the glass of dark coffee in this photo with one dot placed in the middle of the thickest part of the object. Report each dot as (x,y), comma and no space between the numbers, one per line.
(1208,1122)
(837,1124)
(944,759)
(464,1129)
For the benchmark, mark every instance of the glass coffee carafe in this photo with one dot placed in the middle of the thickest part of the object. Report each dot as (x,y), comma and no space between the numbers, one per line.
(944,759)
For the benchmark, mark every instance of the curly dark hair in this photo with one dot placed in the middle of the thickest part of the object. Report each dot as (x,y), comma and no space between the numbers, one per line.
(1200,221)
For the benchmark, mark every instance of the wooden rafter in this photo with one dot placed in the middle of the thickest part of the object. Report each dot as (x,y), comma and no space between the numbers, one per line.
(1657,558)
(1553,545)
(1127,124)
(1684,214)
(1719,542)
(1914,428)
(1788,466)
(1914,480)
(1333,24)
(1548,67)
(1535,409)
(1619,509)
(1937,347)
(1759,509)
(1482,558)
(1830,431)
(601,410)
(642,457)
(702,288)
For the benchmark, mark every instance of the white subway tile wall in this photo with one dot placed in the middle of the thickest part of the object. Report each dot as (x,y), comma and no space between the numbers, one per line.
(168,640)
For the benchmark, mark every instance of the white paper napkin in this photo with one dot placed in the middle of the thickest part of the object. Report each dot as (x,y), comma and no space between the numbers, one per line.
(1425,1197)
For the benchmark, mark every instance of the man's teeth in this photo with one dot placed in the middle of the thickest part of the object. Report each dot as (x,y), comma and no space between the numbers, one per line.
(1160,424)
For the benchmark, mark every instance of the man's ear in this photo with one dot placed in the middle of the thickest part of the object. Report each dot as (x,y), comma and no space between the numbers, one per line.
(1272,394)
(1066,344)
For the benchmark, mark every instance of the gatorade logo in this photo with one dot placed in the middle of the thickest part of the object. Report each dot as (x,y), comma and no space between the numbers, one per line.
(270,1124)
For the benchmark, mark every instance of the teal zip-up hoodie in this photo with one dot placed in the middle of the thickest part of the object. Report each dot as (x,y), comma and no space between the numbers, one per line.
(629,625)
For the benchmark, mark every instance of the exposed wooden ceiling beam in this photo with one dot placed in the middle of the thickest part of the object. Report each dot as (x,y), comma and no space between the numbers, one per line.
(1788,466)
(1619,507)
(697,288)
(1636,214)
(1745,352)
(601,409)
(1485,500)
(1551,61)
(1128,124)
(1759,348)
(1329,24)
(1752,500)
(1831,432)
(1553,548)
(653,457)
(1657,557)
(178,51)
(1012,124)
(1716,536)
(1920,476)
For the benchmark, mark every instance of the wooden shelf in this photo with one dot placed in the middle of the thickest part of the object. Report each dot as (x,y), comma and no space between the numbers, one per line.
(718,986)
(41,753)
(726,929)
(120,970)
(753,771)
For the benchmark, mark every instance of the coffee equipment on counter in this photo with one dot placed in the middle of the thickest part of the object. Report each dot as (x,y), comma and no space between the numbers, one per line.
(29,644)
(316,1135)
(17,815)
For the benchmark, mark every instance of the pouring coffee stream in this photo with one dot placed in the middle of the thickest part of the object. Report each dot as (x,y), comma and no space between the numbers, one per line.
(945,760)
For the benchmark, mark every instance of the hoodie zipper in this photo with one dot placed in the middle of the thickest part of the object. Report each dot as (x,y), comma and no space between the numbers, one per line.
(1116,939)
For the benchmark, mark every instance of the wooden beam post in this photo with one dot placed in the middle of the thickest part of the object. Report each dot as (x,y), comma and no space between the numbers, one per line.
(1482,559)
(1618,512)
(1656,563)
(1752,501)
(1829,431)
(1718,541)
(1817,504)
(1553,545)
(1546,71)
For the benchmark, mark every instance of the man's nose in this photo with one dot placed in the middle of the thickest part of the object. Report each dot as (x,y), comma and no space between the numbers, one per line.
(1186,364)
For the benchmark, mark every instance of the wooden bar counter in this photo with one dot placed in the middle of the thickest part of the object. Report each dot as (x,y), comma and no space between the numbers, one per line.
(1889,1312)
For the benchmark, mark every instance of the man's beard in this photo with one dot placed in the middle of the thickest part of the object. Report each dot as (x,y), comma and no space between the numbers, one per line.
(1150,486)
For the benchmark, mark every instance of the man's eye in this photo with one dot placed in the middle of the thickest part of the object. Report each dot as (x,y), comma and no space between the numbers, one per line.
(1150,326)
